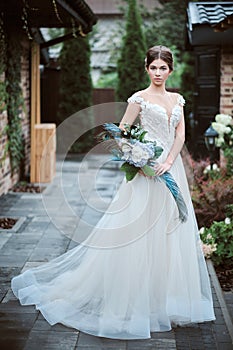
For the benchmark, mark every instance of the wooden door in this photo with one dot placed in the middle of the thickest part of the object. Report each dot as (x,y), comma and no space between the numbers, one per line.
(207,93)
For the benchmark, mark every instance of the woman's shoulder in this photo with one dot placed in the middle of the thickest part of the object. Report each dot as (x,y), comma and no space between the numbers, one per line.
(178,98)
(137,97)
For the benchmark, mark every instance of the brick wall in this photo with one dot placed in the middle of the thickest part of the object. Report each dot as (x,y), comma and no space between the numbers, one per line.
(7,179)
(226,82)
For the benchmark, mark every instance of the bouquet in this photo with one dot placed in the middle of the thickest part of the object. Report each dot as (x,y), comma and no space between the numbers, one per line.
(139,155)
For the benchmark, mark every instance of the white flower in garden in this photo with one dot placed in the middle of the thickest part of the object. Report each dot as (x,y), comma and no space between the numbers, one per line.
(208,249)
(207,169)
(219,141)
(227,221)
(227,130)
(215,167)
(214,247)
(220,128)
(209,236)
(223,119)
(202,230)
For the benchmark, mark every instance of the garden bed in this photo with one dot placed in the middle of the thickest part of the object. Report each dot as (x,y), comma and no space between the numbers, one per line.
(225,277)
(27,187)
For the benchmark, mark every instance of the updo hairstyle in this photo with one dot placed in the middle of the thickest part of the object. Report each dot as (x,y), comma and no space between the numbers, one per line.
(159,52)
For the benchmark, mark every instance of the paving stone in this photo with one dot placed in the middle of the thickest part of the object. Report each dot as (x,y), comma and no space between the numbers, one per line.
(13,341)
(36,226)
(4,238)
(158,344)
(54,242)
(42,325)
(26,238)
(87,340)
(51,340)
(14,329)
(15,261)
(9,297)
(161,335)
(226,346)
(14,307)
(46,254)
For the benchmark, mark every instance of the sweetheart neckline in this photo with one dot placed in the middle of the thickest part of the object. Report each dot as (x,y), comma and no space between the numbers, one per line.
(161,107)
(164,110)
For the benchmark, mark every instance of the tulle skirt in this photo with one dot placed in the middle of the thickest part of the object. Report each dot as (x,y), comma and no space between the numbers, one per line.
(139,271)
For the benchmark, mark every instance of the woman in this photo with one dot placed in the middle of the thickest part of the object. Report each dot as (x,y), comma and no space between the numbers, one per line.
(141,270)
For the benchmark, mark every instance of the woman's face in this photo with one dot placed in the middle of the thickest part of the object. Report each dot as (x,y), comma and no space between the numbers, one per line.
(158,72)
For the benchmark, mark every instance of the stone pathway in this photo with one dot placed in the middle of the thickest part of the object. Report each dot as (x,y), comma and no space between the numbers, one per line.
(40,238)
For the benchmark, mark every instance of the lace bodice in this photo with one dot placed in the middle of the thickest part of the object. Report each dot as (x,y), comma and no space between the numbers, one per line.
(155,120)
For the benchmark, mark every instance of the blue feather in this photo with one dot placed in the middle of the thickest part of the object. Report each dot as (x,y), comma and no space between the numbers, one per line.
(113,130)
(175,191)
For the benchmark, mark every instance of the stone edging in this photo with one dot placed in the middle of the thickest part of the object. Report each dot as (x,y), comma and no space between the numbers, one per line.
(220,297)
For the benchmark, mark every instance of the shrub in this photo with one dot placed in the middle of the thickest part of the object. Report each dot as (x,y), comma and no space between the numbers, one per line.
(130,66)
(220,234)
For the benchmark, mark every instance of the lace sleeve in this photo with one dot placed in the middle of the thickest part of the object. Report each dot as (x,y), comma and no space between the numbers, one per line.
(181,100)
(135,98)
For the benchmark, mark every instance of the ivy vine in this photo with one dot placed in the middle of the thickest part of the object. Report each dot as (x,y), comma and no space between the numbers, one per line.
(15,101)
(3,95)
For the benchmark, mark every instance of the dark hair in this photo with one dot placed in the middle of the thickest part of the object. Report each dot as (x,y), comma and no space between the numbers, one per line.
(159,52)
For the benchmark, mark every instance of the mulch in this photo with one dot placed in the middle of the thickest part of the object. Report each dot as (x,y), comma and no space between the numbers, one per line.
(7,223)
(28,188)
(225,277)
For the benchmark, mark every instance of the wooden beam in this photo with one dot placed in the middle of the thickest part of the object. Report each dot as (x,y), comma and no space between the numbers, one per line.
(35,102)
(59,39)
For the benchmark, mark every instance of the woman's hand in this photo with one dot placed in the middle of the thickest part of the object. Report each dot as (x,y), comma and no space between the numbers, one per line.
(160,169)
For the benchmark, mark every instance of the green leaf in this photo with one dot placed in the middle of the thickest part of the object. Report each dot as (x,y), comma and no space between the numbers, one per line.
(130,171)
(158,151)
(148,171)
(141,138)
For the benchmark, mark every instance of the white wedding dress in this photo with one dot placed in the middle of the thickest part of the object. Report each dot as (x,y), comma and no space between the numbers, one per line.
(140,270)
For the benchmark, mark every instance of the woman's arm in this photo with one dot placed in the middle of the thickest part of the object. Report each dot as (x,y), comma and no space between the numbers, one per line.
(176,148)
(131,113)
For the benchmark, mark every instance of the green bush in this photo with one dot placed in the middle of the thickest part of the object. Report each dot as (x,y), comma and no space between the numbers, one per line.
(107,80)
(76,86)
(221,232)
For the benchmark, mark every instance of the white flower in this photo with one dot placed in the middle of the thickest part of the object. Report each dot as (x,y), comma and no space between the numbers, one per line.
(223,119)
(138,154)
(219,141)
(209,236)
(207,169)
(215,167)
(221,129)
(214,247)
(202,230)
(227,221)
(208,249)
(126,148)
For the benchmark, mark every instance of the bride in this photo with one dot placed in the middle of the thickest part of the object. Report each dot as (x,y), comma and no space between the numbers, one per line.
(141,270)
